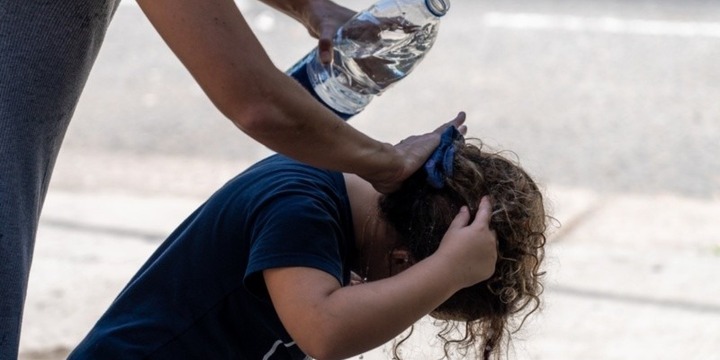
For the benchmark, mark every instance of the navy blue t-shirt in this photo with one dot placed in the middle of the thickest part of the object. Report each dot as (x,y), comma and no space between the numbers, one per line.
(201,295)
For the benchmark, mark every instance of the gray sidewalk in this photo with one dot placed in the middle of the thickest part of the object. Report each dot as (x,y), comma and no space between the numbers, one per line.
(629,276)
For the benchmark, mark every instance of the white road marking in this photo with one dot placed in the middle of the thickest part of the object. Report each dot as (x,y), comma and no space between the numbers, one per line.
(242,4)
(613,25)
(572,23)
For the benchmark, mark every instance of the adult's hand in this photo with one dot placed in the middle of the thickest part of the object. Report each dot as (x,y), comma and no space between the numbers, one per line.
(321,18)
(414,152)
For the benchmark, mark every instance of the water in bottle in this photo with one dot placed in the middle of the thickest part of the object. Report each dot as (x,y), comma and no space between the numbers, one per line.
(375,49)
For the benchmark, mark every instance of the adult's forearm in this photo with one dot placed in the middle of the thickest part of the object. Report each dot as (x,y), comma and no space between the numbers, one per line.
(216,45)
(295,124)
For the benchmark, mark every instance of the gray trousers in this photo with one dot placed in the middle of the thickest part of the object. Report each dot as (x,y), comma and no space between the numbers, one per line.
(47,48)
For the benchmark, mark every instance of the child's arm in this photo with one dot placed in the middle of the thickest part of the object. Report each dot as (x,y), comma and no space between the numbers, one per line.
(332,322)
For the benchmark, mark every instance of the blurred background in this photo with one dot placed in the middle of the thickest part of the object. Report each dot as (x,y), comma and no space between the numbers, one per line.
(613,106)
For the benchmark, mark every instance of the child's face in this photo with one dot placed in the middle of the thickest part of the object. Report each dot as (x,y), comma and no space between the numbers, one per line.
(392,261)
(386,257)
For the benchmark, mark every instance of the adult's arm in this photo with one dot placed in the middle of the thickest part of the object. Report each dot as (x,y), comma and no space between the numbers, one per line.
(332,322)
(214,42)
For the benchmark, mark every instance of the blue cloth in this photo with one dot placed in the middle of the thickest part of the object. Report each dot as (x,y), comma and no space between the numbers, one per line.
(46,51)
(440,164)
(201,295)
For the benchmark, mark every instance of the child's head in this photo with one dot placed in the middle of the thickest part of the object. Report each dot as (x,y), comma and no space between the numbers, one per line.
(421,214)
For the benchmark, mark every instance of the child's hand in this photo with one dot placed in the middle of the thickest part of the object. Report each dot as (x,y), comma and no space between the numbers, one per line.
(470,249)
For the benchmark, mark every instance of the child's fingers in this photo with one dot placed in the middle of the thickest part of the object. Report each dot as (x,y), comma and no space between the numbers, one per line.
(461,219)
(484,212)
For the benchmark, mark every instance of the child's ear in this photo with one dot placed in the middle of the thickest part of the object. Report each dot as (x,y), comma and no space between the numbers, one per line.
(400,259)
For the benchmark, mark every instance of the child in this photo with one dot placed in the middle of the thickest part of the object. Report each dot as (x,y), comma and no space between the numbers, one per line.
(261,270)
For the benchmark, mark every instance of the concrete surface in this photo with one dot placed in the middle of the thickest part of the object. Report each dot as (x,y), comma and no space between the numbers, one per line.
(613,105)
(629,276)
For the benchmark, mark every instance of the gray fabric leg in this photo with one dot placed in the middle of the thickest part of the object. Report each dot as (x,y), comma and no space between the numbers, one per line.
(46,51)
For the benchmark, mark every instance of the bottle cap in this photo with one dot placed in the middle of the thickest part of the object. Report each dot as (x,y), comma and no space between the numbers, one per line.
(438,7)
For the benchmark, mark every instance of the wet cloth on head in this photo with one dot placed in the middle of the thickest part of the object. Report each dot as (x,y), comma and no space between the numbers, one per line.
(440,164)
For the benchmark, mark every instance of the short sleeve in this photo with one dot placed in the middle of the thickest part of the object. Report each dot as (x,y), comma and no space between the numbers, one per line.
(295,230)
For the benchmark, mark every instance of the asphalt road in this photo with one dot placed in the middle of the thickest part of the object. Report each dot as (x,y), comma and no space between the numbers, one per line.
(612,96)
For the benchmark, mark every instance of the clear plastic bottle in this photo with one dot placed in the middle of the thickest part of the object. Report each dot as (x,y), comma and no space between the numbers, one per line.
(373,50)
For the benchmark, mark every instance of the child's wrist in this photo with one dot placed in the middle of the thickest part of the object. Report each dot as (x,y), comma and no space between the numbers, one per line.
(449,271)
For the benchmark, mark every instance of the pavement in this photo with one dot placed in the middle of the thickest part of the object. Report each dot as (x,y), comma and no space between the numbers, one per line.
(629,276)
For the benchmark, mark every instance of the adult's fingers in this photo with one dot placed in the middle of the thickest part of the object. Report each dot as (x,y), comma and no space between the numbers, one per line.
(325,45)
(456,122)
(325,51)
(463,130)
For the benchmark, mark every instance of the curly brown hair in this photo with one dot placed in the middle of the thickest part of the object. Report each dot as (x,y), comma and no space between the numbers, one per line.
(422,214)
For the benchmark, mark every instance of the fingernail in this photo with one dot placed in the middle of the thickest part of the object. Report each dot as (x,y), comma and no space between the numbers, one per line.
(325,56)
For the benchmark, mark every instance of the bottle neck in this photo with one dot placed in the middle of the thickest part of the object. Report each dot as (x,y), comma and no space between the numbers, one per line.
(438,7)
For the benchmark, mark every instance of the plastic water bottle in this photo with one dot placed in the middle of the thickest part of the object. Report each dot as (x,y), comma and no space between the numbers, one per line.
(373,50)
